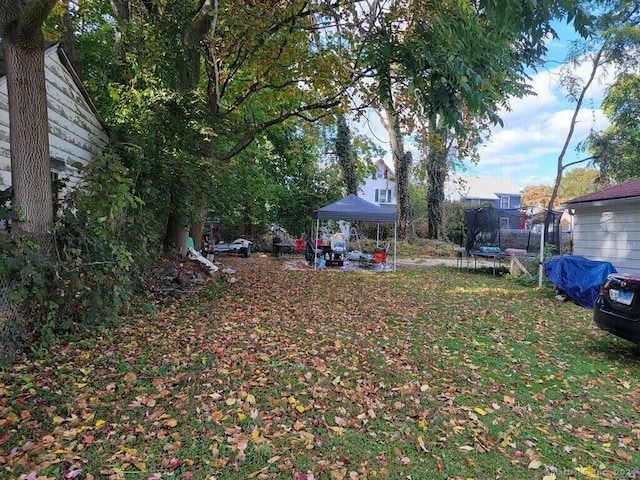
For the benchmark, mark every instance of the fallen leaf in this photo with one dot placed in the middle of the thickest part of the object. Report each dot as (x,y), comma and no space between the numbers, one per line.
(535,464)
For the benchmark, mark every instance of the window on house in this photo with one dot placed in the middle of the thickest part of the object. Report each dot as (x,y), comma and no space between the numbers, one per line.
(504,201)
(383,196)
(380,173)
(504,223)
(386,173)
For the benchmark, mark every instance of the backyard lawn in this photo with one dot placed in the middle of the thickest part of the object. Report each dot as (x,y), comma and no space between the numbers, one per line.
(432,373)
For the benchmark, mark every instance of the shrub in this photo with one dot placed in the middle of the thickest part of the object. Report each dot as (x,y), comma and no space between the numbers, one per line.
(85,279)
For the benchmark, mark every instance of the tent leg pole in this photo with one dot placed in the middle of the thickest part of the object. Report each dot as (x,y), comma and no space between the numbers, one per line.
(395,244)
(315,245)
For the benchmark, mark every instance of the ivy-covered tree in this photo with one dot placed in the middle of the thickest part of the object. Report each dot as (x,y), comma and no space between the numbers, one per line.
(446,61)
(344,153)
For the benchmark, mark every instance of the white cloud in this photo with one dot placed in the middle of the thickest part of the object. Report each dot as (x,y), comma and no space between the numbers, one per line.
(526,149)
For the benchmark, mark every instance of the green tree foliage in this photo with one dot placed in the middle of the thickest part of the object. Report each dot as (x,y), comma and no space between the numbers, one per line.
(89,281)
(612,43)
(449,61)
(617,148)
(192,84)
(577,182)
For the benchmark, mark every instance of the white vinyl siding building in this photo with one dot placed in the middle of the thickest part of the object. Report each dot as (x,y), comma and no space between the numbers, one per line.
(380,187)
(76,133)
(606,226)
(609,233)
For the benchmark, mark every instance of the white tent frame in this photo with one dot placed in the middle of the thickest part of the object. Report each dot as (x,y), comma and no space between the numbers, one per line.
(347,210)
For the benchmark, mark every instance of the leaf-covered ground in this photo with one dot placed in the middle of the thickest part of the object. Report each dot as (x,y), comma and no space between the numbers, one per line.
(435,373)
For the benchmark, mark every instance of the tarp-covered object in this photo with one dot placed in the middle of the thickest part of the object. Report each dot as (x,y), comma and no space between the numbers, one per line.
(354,208)
(578,277)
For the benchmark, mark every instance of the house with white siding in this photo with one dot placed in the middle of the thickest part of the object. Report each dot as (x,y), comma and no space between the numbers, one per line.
(380,187)
(606,226)
(76,131)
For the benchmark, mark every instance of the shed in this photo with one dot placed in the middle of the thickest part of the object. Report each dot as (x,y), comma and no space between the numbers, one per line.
(76,130)
(354,208)
(606,226)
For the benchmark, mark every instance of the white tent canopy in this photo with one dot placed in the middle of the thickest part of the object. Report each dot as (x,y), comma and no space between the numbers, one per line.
(354,208)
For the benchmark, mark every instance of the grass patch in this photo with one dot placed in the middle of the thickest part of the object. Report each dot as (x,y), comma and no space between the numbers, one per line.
(433,373)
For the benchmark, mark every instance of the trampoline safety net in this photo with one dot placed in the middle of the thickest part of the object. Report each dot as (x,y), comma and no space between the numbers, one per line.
(507,228)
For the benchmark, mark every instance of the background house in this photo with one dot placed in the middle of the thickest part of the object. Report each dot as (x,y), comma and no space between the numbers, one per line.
(499,192)
(76,132)
(606,226)
(380,187)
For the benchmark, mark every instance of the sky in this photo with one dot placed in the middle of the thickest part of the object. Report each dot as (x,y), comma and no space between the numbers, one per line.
(526,148)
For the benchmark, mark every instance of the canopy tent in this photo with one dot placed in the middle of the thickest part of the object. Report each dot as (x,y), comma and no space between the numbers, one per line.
(354,208)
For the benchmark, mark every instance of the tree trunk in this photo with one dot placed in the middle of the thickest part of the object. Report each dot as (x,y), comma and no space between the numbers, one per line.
(344,153)
(197,228)
(595,64)
(29,133)
(402,166)
(436,175)
(176,234)
(69,43)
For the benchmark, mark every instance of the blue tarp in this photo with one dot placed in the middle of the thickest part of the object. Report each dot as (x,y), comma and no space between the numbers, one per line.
(578,277)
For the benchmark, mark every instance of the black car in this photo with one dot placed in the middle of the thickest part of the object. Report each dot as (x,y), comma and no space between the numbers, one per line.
(617,307)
